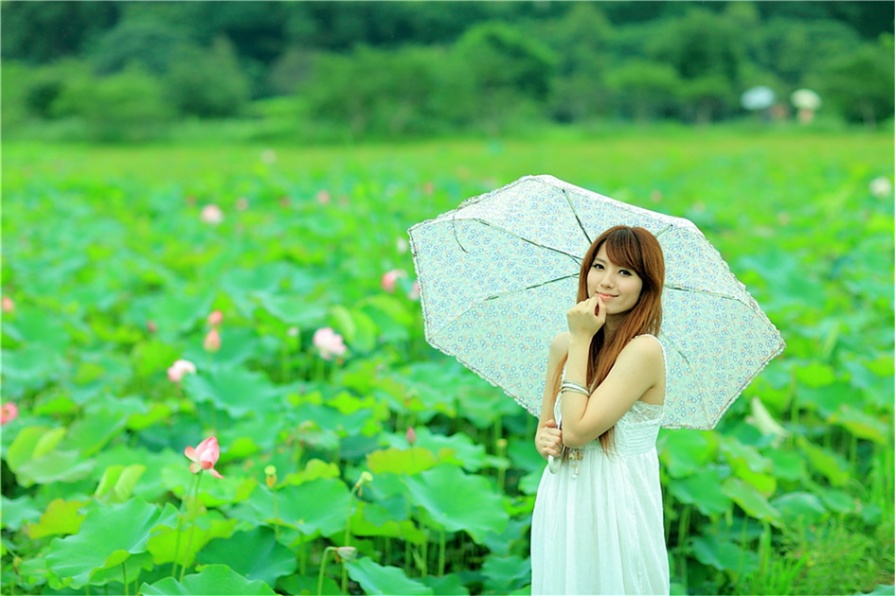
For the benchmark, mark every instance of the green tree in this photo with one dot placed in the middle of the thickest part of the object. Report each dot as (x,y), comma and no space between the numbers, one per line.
(510,72)
(707,52)
(860,83)
(579,40)
(645,89)
(207,83)
(128,106)
(150,44)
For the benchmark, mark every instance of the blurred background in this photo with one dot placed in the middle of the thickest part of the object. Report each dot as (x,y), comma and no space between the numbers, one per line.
(325,71)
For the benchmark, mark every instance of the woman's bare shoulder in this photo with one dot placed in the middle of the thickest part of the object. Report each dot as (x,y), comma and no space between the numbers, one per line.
(560,345)
(645,348)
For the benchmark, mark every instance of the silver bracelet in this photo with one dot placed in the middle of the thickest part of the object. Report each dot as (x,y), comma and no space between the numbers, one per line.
(574,388)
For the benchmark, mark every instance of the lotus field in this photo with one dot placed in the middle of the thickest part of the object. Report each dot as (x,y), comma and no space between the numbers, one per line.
(215,379)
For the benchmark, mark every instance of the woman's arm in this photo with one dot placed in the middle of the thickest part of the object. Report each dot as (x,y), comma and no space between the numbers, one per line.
(548,438)
(637,369)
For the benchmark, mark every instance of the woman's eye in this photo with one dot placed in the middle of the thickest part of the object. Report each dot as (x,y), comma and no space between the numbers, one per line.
(597,266)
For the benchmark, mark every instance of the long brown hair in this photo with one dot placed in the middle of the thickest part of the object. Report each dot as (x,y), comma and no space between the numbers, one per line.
(638,250)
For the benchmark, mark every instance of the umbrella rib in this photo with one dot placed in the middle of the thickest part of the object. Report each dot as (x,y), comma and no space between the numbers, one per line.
(577,259)
(532,287)
(578,219)
(703,292)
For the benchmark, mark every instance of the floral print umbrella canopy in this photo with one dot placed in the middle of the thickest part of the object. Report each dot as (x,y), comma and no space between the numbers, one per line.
(498,274)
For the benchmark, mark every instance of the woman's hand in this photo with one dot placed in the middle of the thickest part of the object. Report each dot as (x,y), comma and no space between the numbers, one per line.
(586,317)
(548,439)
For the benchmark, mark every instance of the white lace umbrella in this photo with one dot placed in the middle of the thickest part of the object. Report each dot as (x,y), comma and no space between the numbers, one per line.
(498,274)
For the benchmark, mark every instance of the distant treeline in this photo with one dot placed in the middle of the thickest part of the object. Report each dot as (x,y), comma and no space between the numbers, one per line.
(322,70)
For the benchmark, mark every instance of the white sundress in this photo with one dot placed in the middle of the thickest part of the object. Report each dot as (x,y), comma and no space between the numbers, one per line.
(597,524)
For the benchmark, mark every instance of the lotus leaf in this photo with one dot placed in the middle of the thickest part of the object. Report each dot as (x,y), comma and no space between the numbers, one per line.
(194,535)
(750,500)
(60,517)
(458,502)
(378,579)
(702,490)
(825,462)
(118,482)
(234,390)
(800,508)
(446,585)
(724,555)
(507,573)
(400,461)
(684,451)
(254,554)
(108,537)
(219,580)
(16,512)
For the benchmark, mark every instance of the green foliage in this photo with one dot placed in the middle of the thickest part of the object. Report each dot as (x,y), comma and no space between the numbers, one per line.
(859,83)
(207,83)
(128,106)
(109,291)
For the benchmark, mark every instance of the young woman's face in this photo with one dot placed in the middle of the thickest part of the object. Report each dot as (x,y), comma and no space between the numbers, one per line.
(619,287)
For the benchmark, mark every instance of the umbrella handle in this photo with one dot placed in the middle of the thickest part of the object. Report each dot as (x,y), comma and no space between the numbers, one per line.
(553,464)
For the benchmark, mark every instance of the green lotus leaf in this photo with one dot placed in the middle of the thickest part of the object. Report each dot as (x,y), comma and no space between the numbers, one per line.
(254,554)
(446,585)
(118,482)
(391,317)
(29,369)
(219,580)
(815,374)
(60,517)
(830,464)
(750,500)
(724,555)
(824,400)
(31,442)
(173,313)
(436,492)
(861,425)
(524,455)
(703,490)
(194,533)
(458,448)
(314,469)
(377,579)
(16,512)
(507,573)
(316,507)
(235,390)
(152,356)
(400,461)
(837,500)
(58,466)
(787,465)
(371,519)
(108,536)
(292,311)
(800,507)
(684,452)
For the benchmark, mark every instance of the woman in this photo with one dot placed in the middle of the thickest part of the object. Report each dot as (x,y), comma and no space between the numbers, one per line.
(597,524)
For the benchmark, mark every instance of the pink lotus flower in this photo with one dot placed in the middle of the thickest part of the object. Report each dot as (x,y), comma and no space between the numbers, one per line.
(390,279)
(8,412)
(212,214)
(8,304)
(204,456)
(212,341)
(216,318)
(329,343)
(410,436)
(323,197)
(414,293)
(179,369)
